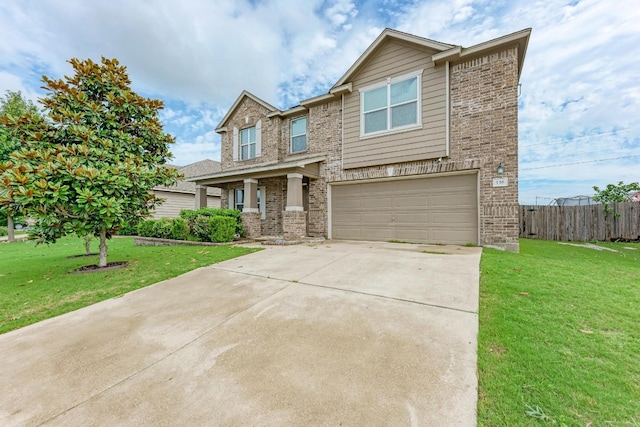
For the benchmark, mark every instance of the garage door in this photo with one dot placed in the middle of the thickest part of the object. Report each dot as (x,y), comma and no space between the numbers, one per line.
(425,210)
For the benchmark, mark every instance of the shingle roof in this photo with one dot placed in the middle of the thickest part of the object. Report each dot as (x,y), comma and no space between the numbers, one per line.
(202,167)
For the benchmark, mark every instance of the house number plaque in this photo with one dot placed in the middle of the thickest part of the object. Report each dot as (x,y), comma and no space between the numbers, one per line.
(500,182)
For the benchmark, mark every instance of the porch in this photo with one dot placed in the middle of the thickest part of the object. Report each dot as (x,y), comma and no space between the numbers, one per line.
(274,198)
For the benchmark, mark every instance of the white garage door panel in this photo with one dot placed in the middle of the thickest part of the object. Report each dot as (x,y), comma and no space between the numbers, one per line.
(423,210)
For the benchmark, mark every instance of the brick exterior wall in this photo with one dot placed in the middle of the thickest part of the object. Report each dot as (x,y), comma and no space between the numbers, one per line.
(294,224)
(247,115)
(483,133)
(251,224)
(484,126)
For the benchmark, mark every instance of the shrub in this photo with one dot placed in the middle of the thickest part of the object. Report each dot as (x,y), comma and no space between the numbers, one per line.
(191,215)
(162,228)
(3,231)
(128,229)
(179,229)
(223,228)
(201,228)
(145,228)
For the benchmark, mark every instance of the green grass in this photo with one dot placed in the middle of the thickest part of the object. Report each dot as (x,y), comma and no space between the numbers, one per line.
(559,339)
(38,282)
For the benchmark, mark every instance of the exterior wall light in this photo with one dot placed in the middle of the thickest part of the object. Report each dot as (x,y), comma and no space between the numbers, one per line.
(500,169)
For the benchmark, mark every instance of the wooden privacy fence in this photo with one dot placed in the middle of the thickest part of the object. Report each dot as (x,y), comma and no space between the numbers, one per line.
(580,223)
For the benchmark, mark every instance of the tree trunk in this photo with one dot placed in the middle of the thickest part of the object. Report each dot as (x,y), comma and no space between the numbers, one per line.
(87,244)
(10,226)
(103,248)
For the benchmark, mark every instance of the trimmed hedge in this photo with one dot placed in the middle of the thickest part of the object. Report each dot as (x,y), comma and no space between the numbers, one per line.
(179,229)
(223,228)
(191,215)
(146,228)
(4,231)
(128,229)
(202,228)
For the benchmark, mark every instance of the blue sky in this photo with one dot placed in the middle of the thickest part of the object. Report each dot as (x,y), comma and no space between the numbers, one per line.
(579,120)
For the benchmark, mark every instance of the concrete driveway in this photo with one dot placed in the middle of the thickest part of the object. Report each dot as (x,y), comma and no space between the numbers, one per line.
(339,333)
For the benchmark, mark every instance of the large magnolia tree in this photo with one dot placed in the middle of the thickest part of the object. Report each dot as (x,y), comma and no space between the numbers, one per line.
(87,168)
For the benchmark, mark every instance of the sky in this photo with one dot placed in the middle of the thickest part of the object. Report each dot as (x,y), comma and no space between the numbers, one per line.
(579,106)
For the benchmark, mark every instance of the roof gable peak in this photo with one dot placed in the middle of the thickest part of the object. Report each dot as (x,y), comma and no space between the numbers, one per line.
(236,104)
(390,34)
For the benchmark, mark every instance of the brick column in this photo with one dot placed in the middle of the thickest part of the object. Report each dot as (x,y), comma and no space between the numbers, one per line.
(250,213)
(294,218)
(201,196)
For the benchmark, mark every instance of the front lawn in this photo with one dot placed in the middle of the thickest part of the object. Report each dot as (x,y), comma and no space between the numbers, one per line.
(559,339)
(38,282)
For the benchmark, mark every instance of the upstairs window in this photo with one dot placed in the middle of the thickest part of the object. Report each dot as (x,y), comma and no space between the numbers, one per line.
(393,105)
(299,134)
(248,143)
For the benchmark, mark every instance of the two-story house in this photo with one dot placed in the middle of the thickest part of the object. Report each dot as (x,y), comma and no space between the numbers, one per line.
(416,142)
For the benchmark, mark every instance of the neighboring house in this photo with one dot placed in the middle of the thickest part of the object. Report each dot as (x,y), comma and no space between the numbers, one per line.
(635,197)
(416,142)
(183,194)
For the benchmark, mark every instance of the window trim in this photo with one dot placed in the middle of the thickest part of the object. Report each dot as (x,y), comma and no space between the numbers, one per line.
(249,143)
(261,199)
(387,83)
(235,198)
(306,134)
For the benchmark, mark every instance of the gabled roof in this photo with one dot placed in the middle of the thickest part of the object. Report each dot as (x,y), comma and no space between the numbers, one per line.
(235,105)
(203,167)
(459,53)
(387,34)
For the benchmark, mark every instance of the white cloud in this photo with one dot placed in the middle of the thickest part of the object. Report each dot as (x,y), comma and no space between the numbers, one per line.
(579,78)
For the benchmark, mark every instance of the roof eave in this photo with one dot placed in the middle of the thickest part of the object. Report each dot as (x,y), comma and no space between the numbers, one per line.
(222,125)
(459,53)
(389,33)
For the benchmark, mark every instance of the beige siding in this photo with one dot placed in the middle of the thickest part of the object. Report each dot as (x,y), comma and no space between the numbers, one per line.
(424,210)
(175,202)
(395,59)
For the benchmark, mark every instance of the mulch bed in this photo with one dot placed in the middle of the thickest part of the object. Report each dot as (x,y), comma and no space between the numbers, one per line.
(94,268)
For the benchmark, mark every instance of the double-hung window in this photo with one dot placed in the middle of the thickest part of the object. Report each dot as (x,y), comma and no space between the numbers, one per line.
(248,143)
(299,134)
(391,106)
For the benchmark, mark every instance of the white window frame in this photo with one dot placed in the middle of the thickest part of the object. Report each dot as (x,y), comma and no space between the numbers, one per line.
(387,83)
(237,143)
(306,134)
(248,143)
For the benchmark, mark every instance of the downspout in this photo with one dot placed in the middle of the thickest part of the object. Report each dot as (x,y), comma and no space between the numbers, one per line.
(447,109)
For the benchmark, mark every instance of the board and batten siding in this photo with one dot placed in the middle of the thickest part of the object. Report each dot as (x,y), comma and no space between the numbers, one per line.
(175,202)
(395,59)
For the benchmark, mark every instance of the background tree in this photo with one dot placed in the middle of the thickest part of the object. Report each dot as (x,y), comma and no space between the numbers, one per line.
(614,194)
(12,105)
(89,167)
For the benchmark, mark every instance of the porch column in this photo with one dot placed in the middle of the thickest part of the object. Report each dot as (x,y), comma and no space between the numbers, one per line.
(294,218)
(201,196)
(250,213)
